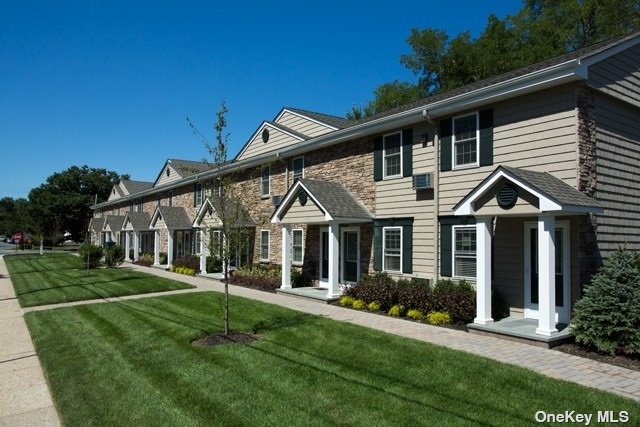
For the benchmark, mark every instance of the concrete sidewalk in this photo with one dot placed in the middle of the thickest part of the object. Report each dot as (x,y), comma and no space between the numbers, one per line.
(24,396)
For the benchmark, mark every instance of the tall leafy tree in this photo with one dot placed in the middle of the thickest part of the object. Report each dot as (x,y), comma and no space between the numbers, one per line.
(541,29)
(65,199)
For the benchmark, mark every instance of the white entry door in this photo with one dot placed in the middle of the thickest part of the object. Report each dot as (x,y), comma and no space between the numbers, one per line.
(563,271)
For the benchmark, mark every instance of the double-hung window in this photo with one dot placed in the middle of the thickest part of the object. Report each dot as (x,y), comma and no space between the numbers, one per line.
(298,168)
(464,251)
(265,182)
(392,155)
(197,195)
(465,140)
(264,245)
(392,249)
(297,246)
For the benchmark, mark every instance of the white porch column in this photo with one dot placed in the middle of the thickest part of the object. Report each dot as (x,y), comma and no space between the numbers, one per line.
(334,260)
(483,283)
(203,252)
(546,275)
(156,248)
(127,245)
(286,256)
(169,247)
(136,245)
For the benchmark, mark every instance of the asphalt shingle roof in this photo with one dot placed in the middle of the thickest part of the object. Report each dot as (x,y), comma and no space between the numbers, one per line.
(189,167)
(335,121)
(175,217)
(136,186)
(96,224)
(336,199)
(552,187)
(139,220)
(115,222)
(235,211)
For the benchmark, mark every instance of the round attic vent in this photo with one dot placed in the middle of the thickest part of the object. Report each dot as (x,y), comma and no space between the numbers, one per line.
(302,198)
(507,196)
(265,135)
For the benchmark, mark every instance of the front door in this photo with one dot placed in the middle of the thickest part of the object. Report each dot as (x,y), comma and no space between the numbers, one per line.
(563,271)
(350,252)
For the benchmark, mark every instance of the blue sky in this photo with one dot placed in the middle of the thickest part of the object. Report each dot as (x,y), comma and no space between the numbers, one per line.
(109,83)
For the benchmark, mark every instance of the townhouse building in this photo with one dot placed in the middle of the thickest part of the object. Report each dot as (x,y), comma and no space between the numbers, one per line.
(520,183)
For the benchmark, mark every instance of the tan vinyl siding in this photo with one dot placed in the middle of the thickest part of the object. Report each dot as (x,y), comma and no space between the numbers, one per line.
(619,75)
(164,179)
(535,132)
(160,224)
(277,140)
(303,125)
(508,261)
(618,174)
(396,199)
(298,214)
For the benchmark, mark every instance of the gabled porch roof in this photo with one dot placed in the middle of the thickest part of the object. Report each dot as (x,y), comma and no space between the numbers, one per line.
(330,201)
(170,217)
(136,221)
(113,223)
(234,211)
(96,224)
(540,191)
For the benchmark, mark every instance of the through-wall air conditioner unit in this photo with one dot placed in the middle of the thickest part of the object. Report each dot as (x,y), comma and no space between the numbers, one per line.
(276,200)
(423,181)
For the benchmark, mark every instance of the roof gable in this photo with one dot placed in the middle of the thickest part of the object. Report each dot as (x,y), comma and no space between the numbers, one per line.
(170,217)
(276,135)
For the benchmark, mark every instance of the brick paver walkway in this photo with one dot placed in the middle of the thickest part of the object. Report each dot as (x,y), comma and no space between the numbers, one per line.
(551,363)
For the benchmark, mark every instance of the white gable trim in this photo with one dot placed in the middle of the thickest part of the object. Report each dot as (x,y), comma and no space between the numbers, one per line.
(197,222)
(257,132)
(467,208)
(289,198)
(286,110)
(154,218)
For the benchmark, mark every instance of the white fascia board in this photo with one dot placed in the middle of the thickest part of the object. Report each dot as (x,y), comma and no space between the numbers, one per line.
(154,218)
(583,69)
(276,217)
(201,212)
(304,117)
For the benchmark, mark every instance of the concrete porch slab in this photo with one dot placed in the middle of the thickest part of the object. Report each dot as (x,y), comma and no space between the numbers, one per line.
(309,293)
(522,330)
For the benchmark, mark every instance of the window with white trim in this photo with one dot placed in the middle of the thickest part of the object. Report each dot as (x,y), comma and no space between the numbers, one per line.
(465,140)
(298,248)
(265,181)
(392,155)
(392,249)
(298,168)
(464,251)
(264,245)
(197,194)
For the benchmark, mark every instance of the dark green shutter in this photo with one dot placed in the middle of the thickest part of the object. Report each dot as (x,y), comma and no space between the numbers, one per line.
(377,158)
(486,137)
(445,250)
(407,249)
(377,247)
(445,144)
(195,188)
(407,152)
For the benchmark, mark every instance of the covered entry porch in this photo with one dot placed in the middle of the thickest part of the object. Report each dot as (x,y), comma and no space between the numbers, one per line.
(339,219)
(526,248)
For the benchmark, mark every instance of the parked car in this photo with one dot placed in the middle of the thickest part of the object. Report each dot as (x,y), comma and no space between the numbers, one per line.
(3,239)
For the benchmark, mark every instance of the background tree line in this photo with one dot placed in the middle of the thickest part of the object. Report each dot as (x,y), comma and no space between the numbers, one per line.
(541,29)
(61,204)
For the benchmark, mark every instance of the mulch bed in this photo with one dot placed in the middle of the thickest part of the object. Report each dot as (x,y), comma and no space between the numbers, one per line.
(617,360)
(222,339)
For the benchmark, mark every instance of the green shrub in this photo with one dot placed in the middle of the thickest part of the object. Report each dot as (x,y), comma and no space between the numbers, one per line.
(397,310)
(163,258)
(188,261)
(172,268)
(378,287)
(346,301)
(608,314)
(114,256)
(414,314)
(145,259)
(415,293)
(90,254)
(456,298)
(373,306)
(214,264)
(439,318)
(359,304)
(300,279)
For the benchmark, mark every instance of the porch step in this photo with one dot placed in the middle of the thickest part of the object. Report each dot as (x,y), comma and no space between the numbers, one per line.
(308,293)
(522,330)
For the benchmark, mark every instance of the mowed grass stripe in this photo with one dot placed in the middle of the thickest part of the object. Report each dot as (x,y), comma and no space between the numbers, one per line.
(59,278)
(132,362)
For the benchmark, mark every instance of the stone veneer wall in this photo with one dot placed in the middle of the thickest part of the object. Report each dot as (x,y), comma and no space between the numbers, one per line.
(588,253)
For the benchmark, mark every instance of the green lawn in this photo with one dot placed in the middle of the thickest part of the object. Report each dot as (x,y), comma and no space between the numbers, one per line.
(52,279)
(131,362)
